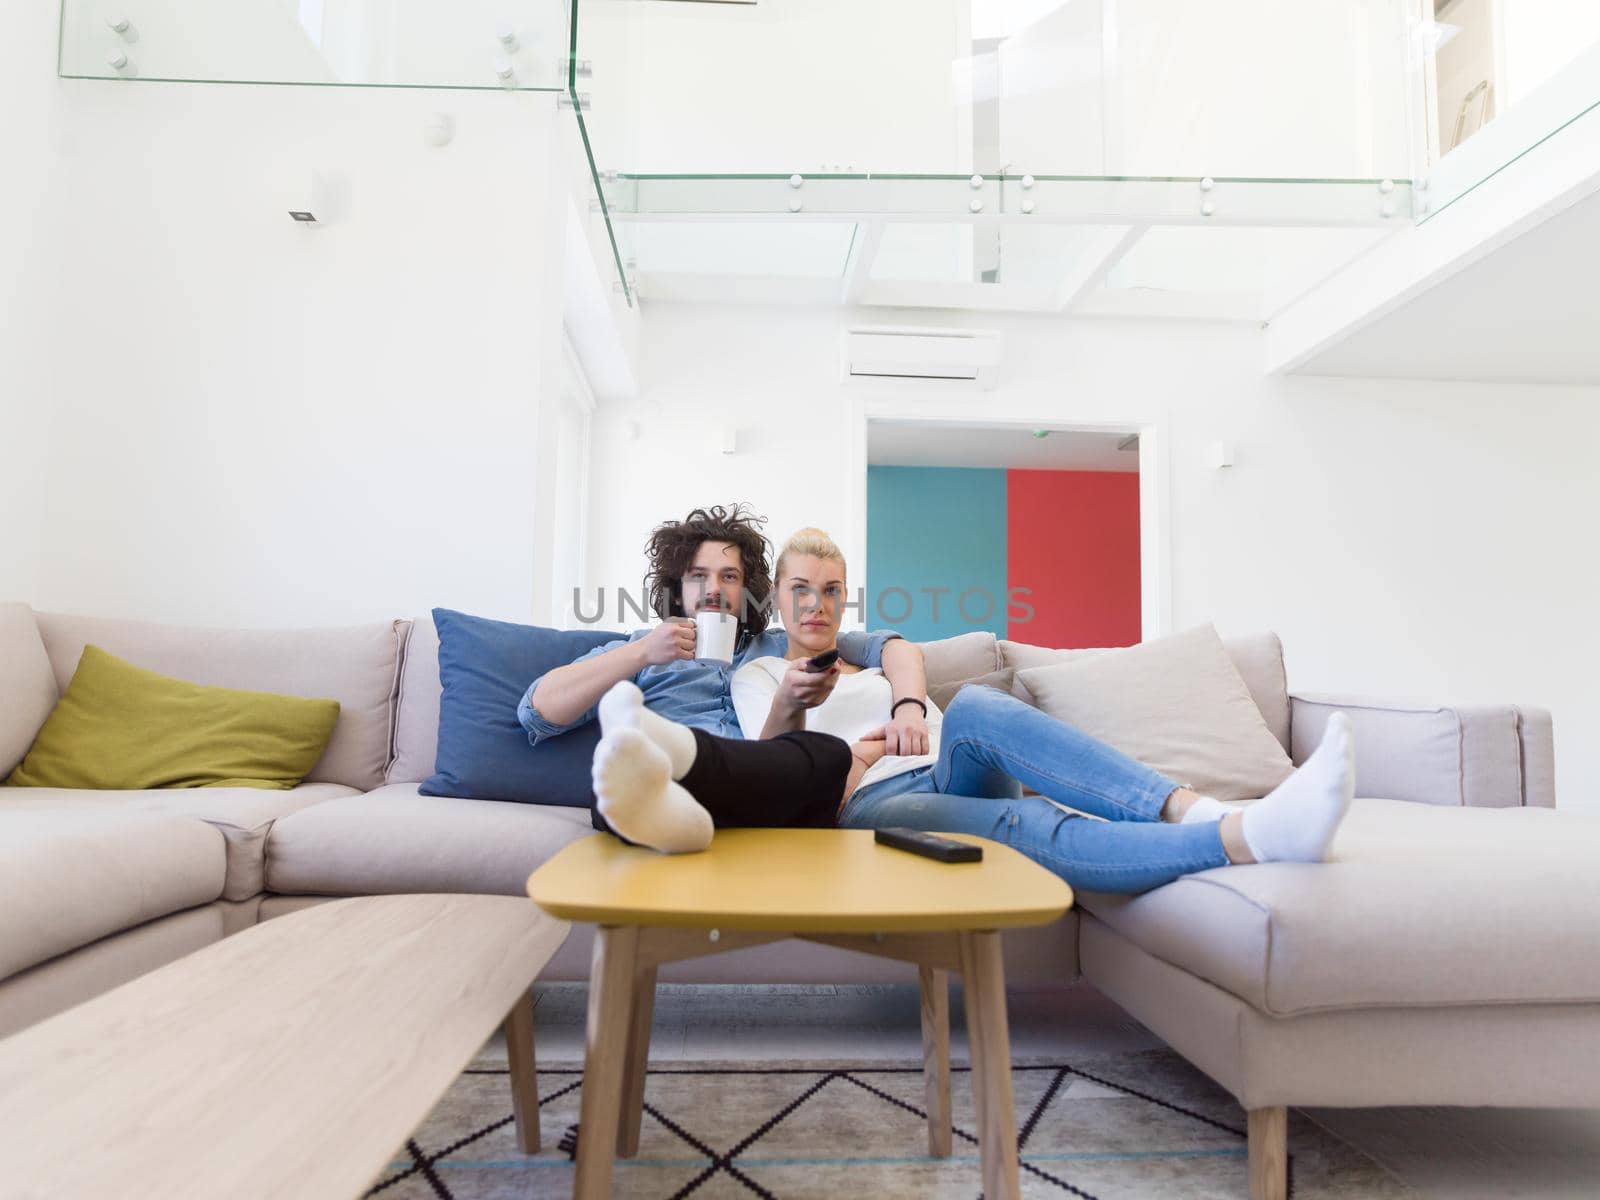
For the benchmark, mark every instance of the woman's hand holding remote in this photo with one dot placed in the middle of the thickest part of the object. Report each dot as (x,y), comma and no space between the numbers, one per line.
(802,688)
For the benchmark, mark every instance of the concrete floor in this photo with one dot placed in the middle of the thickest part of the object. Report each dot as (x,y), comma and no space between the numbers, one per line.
(1445,1153)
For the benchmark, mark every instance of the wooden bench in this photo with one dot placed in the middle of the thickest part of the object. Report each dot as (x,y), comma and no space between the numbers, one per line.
(289,1060)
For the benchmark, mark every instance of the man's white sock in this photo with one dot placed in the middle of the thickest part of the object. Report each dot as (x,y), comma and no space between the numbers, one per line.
(622,707)
(637,799)
(1296,821)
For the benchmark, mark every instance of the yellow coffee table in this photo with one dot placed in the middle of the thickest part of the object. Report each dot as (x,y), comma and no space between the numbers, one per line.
(835,886)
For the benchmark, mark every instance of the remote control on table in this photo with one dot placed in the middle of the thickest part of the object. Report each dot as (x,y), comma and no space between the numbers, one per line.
(823,661)
(930,845)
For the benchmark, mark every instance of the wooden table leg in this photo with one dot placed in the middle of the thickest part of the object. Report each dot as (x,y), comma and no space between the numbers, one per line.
(969,1001)
(936,1057)
(524,1072)
(991,1059)
(638,1060)
(611,980)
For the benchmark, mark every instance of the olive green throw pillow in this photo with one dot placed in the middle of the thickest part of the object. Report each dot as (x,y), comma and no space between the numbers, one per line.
(119,726)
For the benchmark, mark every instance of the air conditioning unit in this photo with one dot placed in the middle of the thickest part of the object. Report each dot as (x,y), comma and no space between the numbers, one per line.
(961,355)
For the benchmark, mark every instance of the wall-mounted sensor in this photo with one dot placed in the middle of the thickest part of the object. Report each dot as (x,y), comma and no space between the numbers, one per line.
(312,200)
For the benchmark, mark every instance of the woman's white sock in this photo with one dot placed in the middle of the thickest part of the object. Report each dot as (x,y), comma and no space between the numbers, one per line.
(622,707)
(639,801)
(1206,808)
(1296,821)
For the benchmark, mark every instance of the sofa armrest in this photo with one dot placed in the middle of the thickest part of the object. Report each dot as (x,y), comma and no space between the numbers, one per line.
(1482,756)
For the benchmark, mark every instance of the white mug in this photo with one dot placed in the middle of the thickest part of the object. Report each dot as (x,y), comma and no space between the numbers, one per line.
(714,635)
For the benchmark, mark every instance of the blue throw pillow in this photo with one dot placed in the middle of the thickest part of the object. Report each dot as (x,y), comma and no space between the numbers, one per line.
(484,668)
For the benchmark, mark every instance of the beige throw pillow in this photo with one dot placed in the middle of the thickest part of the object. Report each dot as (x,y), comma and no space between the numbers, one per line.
(942,693)
(1176,704)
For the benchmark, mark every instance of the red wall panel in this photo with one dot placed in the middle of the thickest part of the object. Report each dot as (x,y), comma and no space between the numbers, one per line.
(1073,538)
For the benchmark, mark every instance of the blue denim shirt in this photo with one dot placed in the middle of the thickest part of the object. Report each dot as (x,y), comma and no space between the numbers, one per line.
(697,693)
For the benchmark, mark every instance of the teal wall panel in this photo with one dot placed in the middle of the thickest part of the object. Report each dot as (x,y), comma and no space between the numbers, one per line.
(936,528)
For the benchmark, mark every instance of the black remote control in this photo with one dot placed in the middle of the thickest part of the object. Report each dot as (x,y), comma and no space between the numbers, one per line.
(823,661)
(929,845)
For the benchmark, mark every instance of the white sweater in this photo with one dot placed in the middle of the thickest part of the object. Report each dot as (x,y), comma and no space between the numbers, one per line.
(859,704)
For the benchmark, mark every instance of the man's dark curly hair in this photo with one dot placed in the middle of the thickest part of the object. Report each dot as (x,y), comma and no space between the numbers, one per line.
(673,545)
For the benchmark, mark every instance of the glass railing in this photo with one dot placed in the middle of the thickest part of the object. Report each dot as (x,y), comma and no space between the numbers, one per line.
(1492,81)
(1240,249)
(1243,88)
(1152,156)
(477,44)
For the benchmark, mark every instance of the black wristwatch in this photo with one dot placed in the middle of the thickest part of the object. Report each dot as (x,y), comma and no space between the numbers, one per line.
(908,700)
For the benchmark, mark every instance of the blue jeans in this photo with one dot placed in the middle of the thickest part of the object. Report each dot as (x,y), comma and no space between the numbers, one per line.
(990,745)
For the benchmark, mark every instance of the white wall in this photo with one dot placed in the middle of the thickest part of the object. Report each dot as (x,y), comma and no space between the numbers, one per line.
(27,286)
(256,423)
(1541,37)
(1404,539)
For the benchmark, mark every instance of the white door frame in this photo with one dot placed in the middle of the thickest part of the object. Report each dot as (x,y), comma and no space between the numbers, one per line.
(1155,524)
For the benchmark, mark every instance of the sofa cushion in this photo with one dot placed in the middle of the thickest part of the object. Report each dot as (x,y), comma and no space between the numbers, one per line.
(27,686)
(1429,754)
(964,656)
(398,840)
(121,726)
(356,665)
(1257,657)
(82,974)
(1420,905)
(242,815)
(485,668)
(1176,704)
(416,721)
(68,878)
(942,693)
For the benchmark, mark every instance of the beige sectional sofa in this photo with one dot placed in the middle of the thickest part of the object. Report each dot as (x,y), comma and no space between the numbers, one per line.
(1448,955)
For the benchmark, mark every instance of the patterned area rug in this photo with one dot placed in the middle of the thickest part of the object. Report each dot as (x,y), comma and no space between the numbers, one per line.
(1129,1126)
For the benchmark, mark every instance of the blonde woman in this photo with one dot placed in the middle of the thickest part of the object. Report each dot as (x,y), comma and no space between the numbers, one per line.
(955,772)
(963,770)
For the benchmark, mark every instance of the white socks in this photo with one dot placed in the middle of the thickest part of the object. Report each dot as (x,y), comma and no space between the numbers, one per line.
(623,708)
(1296,821)
(637,799)
(1205,809)
(640,757)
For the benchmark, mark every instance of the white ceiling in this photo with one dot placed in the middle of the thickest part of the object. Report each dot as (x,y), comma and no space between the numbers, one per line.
(1529,312)
(910,444)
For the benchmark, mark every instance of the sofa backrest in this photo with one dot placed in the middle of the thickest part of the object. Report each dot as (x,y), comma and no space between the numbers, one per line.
(1259,659)
(27,685)
(356,665)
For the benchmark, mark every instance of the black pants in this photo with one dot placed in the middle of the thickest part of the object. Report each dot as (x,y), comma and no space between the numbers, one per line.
(794,780)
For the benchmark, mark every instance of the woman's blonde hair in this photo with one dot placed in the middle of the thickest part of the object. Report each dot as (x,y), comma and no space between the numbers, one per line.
(812,541)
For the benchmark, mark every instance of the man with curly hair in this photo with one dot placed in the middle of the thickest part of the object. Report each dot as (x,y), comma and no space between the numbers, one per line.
(716,560)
